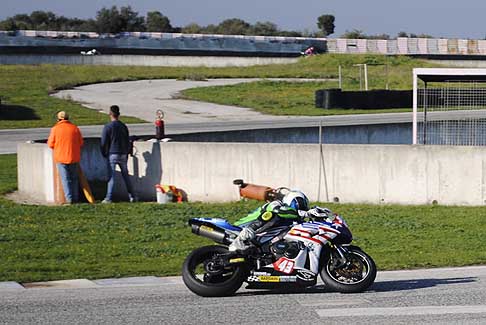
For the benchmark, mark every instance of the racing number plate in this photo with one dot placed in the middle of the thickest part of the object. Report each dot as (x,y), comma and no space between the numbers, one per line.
(284,265)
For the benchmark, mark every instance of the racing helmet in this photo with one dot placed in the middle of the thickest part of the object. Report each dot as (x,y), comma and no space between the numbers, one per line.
(296,200)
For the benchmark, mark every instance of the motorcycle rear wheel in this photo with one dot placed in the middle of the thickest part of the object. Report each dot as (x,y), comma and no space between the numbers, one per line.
(204,276)
(357,276)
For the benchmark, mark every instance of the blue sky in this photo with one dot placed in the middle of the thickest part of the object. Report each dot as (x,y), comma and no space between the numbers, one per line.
(446,18)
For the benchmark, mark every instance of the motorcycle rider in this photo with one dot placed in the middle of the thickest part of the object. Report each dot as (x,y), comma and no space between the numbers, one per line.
(294,207)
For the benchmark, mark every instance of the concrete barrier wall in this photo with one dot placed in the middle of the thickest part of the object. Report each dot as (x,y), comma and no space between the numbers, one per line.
(349,173)
(35,171)
(177,43)
(143,60)
(429,47)
(375,174)
(174,44)
(389,133)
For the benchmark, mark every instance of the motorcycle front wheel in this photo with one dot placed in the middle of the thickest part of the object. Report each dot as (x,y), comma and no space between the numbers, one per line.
(204,273)
(357,275)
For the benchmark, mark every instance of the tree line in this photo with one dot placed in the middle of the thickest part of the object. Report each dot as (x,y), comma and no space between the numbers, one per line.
(115,20)
(359,34)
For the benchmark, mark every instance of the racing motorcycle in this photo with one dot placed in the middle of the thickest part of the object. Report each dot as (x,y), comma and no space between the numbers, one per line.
(282,257)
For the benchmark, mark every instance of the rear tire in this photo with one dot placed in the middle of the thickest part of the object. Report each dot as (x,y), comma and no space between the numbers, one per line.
(206,278)
(358,276)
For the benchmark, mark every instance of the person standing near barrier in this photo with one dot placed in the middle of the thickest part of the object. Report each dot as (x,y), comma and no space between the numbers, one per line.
(115,146)
(66,141)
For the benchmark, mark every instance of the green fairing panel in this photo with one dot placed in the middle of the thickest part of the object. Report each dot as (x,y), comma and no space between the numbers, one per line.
(249,218)
(282,211)
(288,213)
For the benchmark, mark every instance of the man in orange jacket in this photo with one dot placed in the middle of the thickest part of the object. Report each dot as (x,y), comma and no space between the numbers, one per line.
(66,141)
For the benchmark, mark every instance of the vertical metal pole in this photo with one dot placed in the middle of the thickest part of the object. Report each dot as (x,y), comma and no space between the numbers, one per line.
(387,86)
(360,77)
(366,75)
(340,78)
(425,113)
(414,114)
(320,132)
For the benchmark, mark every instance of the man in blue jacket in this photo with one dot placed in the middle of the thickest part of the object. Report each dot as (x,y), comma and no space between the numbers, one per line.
(115,146)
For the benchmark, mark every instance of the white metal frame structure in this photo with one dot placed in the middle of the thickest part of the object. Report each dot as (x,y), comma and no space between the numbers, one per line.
(444,75)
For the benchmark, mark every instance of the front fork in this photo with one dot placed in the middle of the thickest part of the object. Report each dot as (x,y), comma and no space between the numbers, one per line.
(339,254)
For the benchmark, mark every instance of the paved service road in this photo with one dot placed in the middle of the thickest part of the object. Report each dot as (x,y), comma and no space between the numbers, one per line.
(433,296)
(142,98)
(10,138)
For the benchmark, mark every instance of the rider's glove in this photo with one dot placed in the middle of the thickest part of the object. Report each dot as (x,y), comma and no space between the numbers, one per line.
(246,234)
(318,212)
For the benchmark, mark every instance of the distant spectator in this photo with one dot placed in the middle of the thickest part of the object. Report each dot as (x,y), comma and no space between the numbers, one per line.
(115,146)
(66,141)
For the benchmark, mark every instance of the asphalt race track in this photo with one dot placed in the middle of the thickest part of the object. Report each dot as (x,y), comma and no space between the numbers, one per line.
(432,296)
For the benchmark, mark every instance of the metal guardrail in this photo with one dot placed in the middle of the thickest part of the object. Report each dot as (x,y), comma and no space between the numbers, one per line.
(57,34)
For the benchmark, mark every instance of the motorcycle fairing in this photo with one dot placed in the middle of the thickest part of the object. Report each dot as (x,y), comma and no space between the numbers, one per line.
(300,277)
(221,223)
(313,235)
(270,234)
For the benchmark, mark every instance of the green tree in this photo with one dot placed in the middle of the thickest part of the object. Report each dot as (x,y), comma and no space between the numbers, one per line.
(156,22)
(289,33)
(8,24)
(84,26)
(130,20)
(210,29)
(108,20)
(264,28)
(354,34)
(378,36)
(22,21)
(115,21)
(234,26)
(326,24)
(192,28)
(43,20)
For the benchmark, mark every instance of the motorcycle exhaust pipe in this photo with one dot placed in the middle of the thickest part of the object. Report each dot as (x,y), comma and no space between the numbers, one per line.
(215,234)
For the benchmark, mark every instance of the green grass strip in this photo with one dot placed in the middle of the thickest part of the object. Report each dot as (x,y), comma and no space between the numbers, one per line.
(39,243)
(276,98)
(25,89)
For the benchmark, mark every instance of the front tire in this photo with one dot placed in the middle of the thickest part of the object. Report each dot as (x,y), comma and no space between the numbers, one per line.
(356,276)
(205,276)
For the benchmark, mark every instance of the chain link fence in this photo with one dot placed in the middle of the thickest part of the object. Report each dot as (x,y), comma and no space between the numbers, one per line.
(453,113)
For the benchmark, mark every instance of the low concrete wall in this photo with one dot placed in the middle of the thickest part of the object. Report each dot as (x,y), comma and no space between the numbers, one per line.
(349,173)
(461,63)
(375,174)
(35,171)
(143,60)
(389,133)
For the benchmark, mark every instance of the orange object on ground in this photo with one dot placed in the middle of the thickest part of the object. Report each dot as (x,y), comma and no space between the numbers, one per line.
(177,194)
(66,141)
(58,189)
(255,192)
(83,182)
